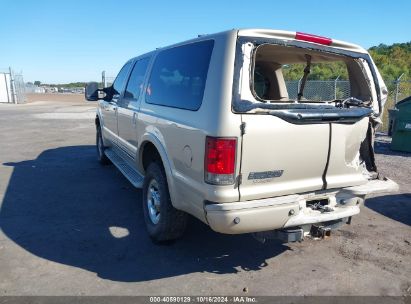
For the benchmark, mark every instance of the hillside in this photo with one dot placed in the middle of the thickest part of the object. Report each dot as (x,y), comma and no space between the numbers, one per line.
(393,60)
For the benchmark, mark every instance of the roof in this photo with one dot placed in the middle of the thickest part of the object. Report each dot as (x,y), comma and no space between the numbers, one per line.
(266,33)
(279,34)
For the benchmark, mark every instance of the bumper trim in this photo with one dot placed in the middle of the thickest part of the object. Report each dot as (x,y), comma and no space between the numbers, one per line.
(317,217)
(267,202)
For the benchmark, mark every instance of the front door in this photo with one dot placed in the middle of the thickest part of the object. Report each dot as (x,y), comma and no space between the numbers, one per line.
(109,107)
(128,109)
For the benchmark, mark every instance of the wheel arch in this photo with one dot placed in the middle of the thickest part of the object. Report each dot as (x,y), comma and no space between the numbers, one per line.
(97,121)
(151,149)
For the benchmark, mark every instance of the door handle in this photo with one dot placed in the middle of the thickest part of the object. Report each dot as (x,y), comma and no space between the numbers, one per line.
(112,106)
(134,118)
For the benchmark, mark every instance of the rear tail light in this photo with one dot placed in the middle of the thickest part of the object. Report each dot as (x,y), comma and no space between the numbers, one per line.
(313,38)
(219,163)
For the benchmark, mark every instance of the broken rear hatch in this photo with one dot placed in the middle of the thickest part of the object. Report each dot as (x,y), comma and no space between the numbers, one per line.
(303,129)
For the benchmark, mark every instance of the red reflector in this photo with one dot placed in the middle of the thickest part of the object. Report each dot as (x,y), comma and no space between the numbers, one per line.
(220,155)
(313,38)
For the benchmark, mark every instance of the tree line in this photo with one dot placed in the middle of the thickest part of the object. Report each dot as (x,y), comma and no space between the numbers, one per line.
(392,62)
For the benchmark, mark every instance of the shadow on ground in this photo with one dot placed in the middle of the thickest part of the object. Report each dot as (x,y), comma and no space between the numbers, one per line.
(65,207)
(396,207)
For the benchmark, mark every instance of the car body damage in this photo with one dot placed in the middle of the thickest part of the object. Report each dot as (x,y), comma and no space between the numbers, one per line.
(247,48)
(334,136)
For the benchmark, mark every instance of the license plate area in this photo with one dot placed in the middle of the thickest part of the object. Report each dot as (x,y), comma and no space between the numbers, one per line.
(321,205)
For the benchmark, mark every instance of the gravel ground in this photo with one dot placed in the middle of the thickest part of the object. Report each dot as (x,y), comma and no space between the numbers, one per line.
(72,227)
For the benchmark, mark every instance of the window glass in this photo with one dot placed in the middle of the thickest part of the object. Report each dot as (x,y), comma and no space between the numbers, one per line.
(179,75)
(135,83)
(121,78)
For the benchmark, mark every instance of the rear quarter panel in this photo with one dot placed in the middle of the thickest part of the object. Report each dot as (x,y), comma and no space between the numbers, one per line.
(182,132)
(344,163)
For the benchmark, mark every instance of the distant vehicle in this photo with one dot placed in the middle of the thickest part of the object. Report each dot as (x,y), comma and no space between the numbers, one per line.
(207,127)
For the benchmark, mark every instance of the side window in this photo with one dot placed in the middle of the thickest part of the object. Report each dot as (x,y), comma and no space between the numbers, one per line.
(179,75)
(121,78)
(261,83)
(135,83)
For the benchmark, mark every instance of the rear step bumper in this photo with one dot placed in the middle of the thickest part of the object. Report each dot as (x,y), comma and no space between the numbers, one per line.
(291,210)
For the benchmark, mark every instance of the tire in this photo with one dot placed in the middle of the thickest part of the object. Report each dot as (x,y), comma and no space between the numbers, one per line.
(164,223)
(101,157)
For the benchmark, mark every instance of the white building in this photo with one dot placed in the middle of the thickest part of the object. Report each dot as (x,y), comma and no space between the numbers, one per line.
(5,88)
(12,88)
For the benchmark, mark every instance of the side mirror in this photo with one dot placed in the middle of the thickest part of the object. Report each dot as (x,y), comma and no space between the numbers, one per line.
(91,91)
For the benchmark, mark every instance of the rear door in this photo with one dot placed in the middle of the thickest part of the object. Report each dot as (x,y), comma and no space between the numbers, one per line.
(280,158)
(306,134)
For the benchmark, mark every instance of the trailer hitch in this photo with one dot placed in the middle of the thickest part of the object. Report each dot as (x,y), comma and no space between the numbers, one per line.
(320,231)
(323,230)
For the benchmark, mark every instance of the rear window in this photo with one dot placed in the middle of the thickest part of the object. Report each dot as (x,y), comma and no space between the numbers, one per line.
(281,73)
(179,75)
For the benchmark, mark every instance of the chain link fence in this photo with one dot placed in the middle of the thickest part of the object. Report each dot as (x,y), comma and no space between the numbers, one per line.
(19,87)
(12,87)
(398,89)
(320,90)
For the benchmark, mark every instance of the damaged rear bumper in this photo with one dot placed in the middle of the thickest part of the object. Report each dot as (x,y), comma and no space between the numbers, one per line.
(373,187)
(291,210)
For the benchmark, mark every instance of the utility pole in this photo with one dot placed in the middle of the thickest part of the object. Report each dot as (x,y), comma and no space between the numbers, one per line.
(103,79)
(335,87)
(13,86)
(397,84)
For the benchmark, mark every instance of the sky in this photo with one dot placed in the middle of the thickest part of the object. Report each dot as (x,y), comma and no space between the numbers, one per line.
(69,41)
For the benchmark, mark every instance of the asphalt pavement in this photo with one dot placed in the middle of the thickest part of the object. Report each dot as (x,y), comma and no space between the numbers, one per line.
(70,226)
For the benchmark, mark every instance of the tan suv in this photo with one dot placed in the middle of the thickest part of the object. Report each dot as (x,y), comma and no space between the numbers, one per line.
(231,129)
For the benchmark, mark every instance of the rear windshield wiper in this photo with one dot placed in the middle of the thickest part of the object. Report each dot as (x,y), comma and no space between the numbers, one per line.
(246,105)
(307,70)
